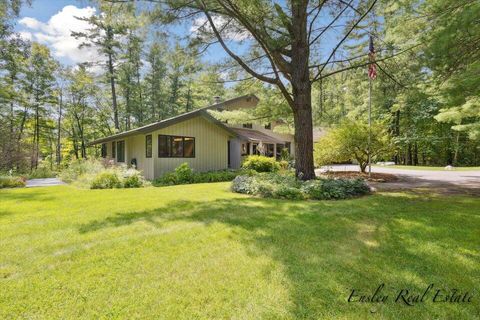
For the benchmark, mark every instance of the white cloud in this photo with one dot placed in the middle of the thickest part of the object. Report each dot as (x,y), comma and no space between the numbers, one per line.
(25,35)
(232,32)
(56,33)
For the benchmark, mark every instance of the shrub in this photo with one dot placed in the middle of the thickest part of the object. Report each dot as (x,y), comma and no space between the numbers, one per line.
(96,174)
(245,184)
(77,168)
(325,189)
(287,186)
(168,179)
(269,185)
(288,192)
(261,164)
(284,165)
(44,170)
(133,179)
(12,182)
(107,179)
(184,173)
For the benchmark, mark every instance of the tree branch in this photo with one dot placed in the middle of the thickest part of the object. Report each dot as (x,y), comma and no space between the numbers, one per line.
(346,36)
(233,55)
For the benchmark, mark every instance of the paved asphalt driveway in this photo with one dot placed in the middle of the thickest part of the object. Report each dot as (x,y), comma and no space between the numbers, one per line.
(450,182)
(47,182)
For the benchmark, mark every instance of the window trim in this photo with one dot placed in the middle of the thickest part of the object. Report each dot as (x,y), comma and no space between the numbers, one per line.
(114,150)
(247,148)
(121,141)
(146,146)
(170,146)
(103,150)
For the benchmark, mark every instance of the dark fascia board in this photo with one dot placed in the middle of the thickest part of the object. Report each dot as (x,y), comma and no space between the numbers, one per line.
(166,123)
(179,118)
(230,102)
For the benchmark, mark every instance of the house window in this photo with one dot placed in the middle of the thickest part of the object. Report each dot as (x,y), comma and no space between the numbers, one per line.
(279,150)
(148,146)
(247,125)
(113,150)
(268,126)
(245,148)
(176,147)
(104,150)
(254,149)
(120,151)
(269,148)
(188,147)
(288,147)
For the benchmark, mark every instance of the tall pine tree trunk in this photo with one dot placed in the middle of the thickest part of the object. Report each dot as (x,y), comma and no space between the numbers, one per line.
(59,129)
(114,94)
(302,93)
(457,147)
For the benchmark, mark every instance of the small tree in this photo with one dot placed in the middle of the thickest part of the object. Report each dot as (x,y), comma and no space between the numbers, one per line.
(349,141)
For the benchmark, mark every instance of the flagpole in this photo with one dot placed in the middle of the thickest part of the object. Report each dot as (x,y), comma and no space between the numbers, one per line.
(369,125)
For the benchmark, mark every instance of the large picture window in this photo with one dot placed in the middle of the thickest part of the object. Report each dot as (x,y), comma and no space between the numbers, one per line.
(176,147)
(104,150)
(120,151)
(148,146)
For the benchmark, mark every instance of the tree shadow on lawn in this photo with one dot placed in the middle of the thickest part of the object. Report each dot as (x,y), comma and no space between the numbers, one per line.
(24,194)
(328,248)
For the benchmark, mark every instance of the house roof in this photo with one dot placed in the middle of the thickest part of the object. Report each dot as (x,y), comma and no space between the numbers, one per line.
(243,100)
(255,136)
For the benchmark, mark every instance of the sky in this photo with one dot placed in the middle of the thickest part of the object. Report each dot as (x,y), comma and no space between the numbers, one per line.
(51,22)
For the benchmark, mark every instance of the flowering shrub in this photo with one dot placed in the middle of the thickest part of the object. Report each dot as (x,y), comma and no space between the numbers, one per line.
(286,186)
(261,164)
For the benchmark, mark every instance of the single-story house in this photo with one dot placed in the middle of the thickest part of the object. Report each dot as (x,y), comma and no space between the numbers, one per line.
(195,137)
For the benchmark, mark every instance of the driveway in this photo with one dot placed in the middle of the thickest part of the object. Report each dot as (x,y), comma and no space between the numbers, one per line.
(47,182)
(449,182)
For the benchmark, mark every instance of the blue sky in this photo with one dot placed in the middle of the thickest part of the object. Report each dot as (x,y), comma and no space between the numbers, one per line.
(51,21)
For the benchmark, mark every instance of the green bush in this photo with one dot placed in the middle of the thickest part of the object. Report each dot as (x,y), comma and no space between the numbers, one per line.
(286,186)
(287,192)
(75,169)
(245,184)
(284,165)
(335,188)
(183,174)
(12,182)
(107,179)
(42,172)
(261,164)
(96,174)
(133,179)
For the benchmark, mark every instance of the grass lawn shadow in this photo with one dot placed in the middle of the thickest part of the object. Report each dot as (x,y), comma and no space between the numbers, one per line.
(328,248)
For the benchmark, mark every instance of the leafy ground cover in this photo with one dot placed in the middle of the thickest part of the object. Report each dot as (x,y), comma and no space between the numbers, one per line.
(375,176)
(201,251)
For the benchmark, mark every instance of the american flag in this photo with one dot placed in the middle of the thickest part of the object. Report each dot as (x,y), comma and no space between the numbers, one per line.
(372,68)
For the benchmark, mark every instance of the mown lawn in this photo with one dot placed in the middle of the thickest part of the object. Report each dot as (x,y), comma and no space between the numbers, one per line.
(202,252)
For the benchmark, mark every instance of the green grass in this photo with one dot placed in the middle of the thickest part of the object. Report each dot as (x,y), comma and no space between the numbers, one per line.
(430,168)
(202,252)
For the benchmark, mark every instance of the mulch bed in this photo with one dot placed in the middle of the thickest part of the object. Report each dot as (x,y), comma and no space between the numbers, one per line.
(375,177)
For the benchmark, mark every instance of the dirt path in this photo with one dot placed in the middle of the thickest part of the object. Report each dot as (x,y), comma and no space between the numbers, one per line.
(446,182)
